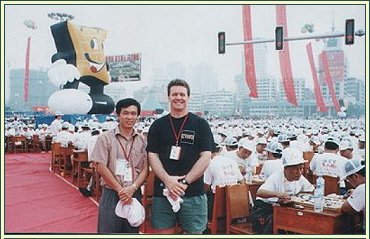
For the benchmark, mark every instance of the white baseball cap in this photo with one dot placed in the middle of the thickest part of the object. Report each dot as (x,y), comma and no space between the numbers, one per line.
(345,144)
(274,147)
(332,139)
(283,138)
(262,141)
(134,212)
(58,113)
(351,166)
(292,156)
(315,140)
(230,141)
(248,145)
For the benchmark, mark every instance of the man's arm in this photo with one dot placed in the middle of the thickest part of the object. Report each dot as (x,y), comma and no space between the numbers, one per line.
(199,167)
(271,194)
(108,177)
(347,208)
(172,182)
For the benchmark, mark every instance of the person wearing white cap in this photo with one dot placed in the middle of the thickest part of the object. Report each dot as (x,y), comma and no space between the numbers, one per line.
(56,125)
(245,157)
(346,148)
(280,186)
(221,172)
(328,163)
(230,144)
(274,163)
(361,146)
(355,175)
(122,163)
(64,137)
(284,140)
(81,139)
(260,150)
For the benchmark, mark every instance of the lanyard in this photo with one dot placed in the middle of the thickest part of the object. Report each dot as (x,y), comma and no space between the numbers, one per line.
(177,136)
(127,157)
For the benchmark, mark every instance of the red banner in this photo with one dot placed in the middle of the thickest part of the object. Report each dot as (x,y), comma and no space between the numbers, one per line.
(321,107)
(250,72)
(27,70)
(329,81)
(284,57)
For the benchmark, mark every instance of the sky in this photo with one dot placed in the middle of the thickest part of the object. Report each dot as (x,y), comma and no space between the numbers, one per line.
(184,34)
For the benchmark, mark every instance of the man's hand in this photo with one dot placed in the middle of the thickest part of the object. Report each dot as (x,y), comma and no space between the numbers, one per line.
(174,186)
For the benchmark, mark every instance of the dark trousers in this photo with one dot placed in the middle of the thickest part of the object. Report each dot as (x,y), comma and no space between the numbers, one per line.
(108,221)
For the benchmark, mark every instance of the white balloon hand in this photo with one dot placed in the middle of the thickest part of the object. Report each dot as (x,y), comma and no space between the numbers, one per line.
(60,73)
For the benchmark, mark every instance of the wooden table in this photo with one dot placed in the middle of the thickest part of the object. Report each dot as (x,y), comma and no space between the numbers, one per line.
(307,221)
(79,157)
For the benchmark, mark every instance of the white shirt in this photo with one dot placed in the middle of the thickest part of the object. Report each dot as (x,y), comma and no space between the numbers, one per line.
(329,164)
(358,202)
(278,183)
(91,145)
(221,172)
(270,167)
(251,161)
(55,127)
(82,139)
(64,137)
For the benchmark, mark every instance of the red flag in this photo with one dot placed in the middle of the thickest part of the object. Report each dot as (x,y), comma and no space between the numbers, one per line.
(250,73)
(329,81)
(27,71)
(318,95)
(284,57)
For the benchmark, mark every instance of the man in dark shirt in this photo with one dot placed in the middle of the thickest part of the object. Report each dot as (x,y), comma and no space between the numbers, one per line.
(179,151)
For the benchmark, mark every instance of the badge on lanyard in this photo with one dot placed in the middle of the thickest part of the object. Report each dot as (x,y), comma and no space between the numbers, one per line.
(120,167)
(175,152)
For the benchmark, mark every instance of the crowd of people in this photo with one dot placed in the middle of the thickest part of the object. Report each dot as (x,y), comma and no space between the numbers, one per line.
(191,155)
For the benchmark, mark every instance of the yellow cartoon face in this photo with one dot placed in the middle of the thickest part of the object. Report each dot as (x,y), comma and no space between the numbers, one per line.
(88,44)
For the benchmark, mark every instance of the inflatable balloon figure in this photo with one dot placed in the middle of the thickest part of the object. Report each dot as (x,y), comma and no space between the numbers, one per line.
(79,58)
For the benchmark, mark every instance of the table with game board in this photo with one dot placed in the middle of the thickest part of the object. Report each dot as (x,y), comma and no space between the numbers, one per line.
(302,218)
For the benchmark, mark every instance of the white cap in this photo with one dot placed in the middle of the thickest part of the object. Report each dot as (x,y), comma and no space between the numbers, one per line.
(248,145)
(333,140)
(134,212)
(65,125)
(345,144)
(230,141)
(274,147)
(292,156)
(283,138)
(262,141)
(58,113)
(315,140)
(350,167)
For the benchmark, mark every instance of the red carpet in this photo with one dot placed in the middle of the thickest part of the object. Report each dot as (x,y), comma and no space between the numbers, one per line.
(37,201)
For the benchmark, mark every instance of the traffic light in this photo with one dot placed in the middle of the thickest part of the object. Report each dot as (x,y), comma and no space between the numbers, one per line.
(350,31)
(279,38)
(221,43)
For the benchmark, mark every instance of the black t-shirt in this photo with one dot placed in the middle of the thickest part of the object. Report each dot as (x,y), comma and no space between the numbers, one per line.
(195,138)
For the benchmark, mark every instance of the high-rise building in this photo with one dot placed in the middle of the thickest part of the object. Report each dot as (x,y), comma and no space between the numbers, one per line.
(220,103)
(354,89)
(202,78)
(39,89)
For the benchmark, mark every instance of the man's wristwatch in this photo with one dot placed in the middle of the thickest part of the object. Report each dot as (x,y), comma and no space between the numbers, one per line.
(184,181)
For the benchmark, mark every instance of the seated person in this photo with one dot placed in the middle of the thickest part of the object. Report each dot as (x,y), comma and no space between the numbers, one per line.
(279,187)
(355,175)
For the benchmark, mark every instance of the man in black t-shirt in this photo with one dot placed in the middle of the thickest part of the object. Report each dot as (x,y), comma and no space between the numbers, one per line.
(179,150)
